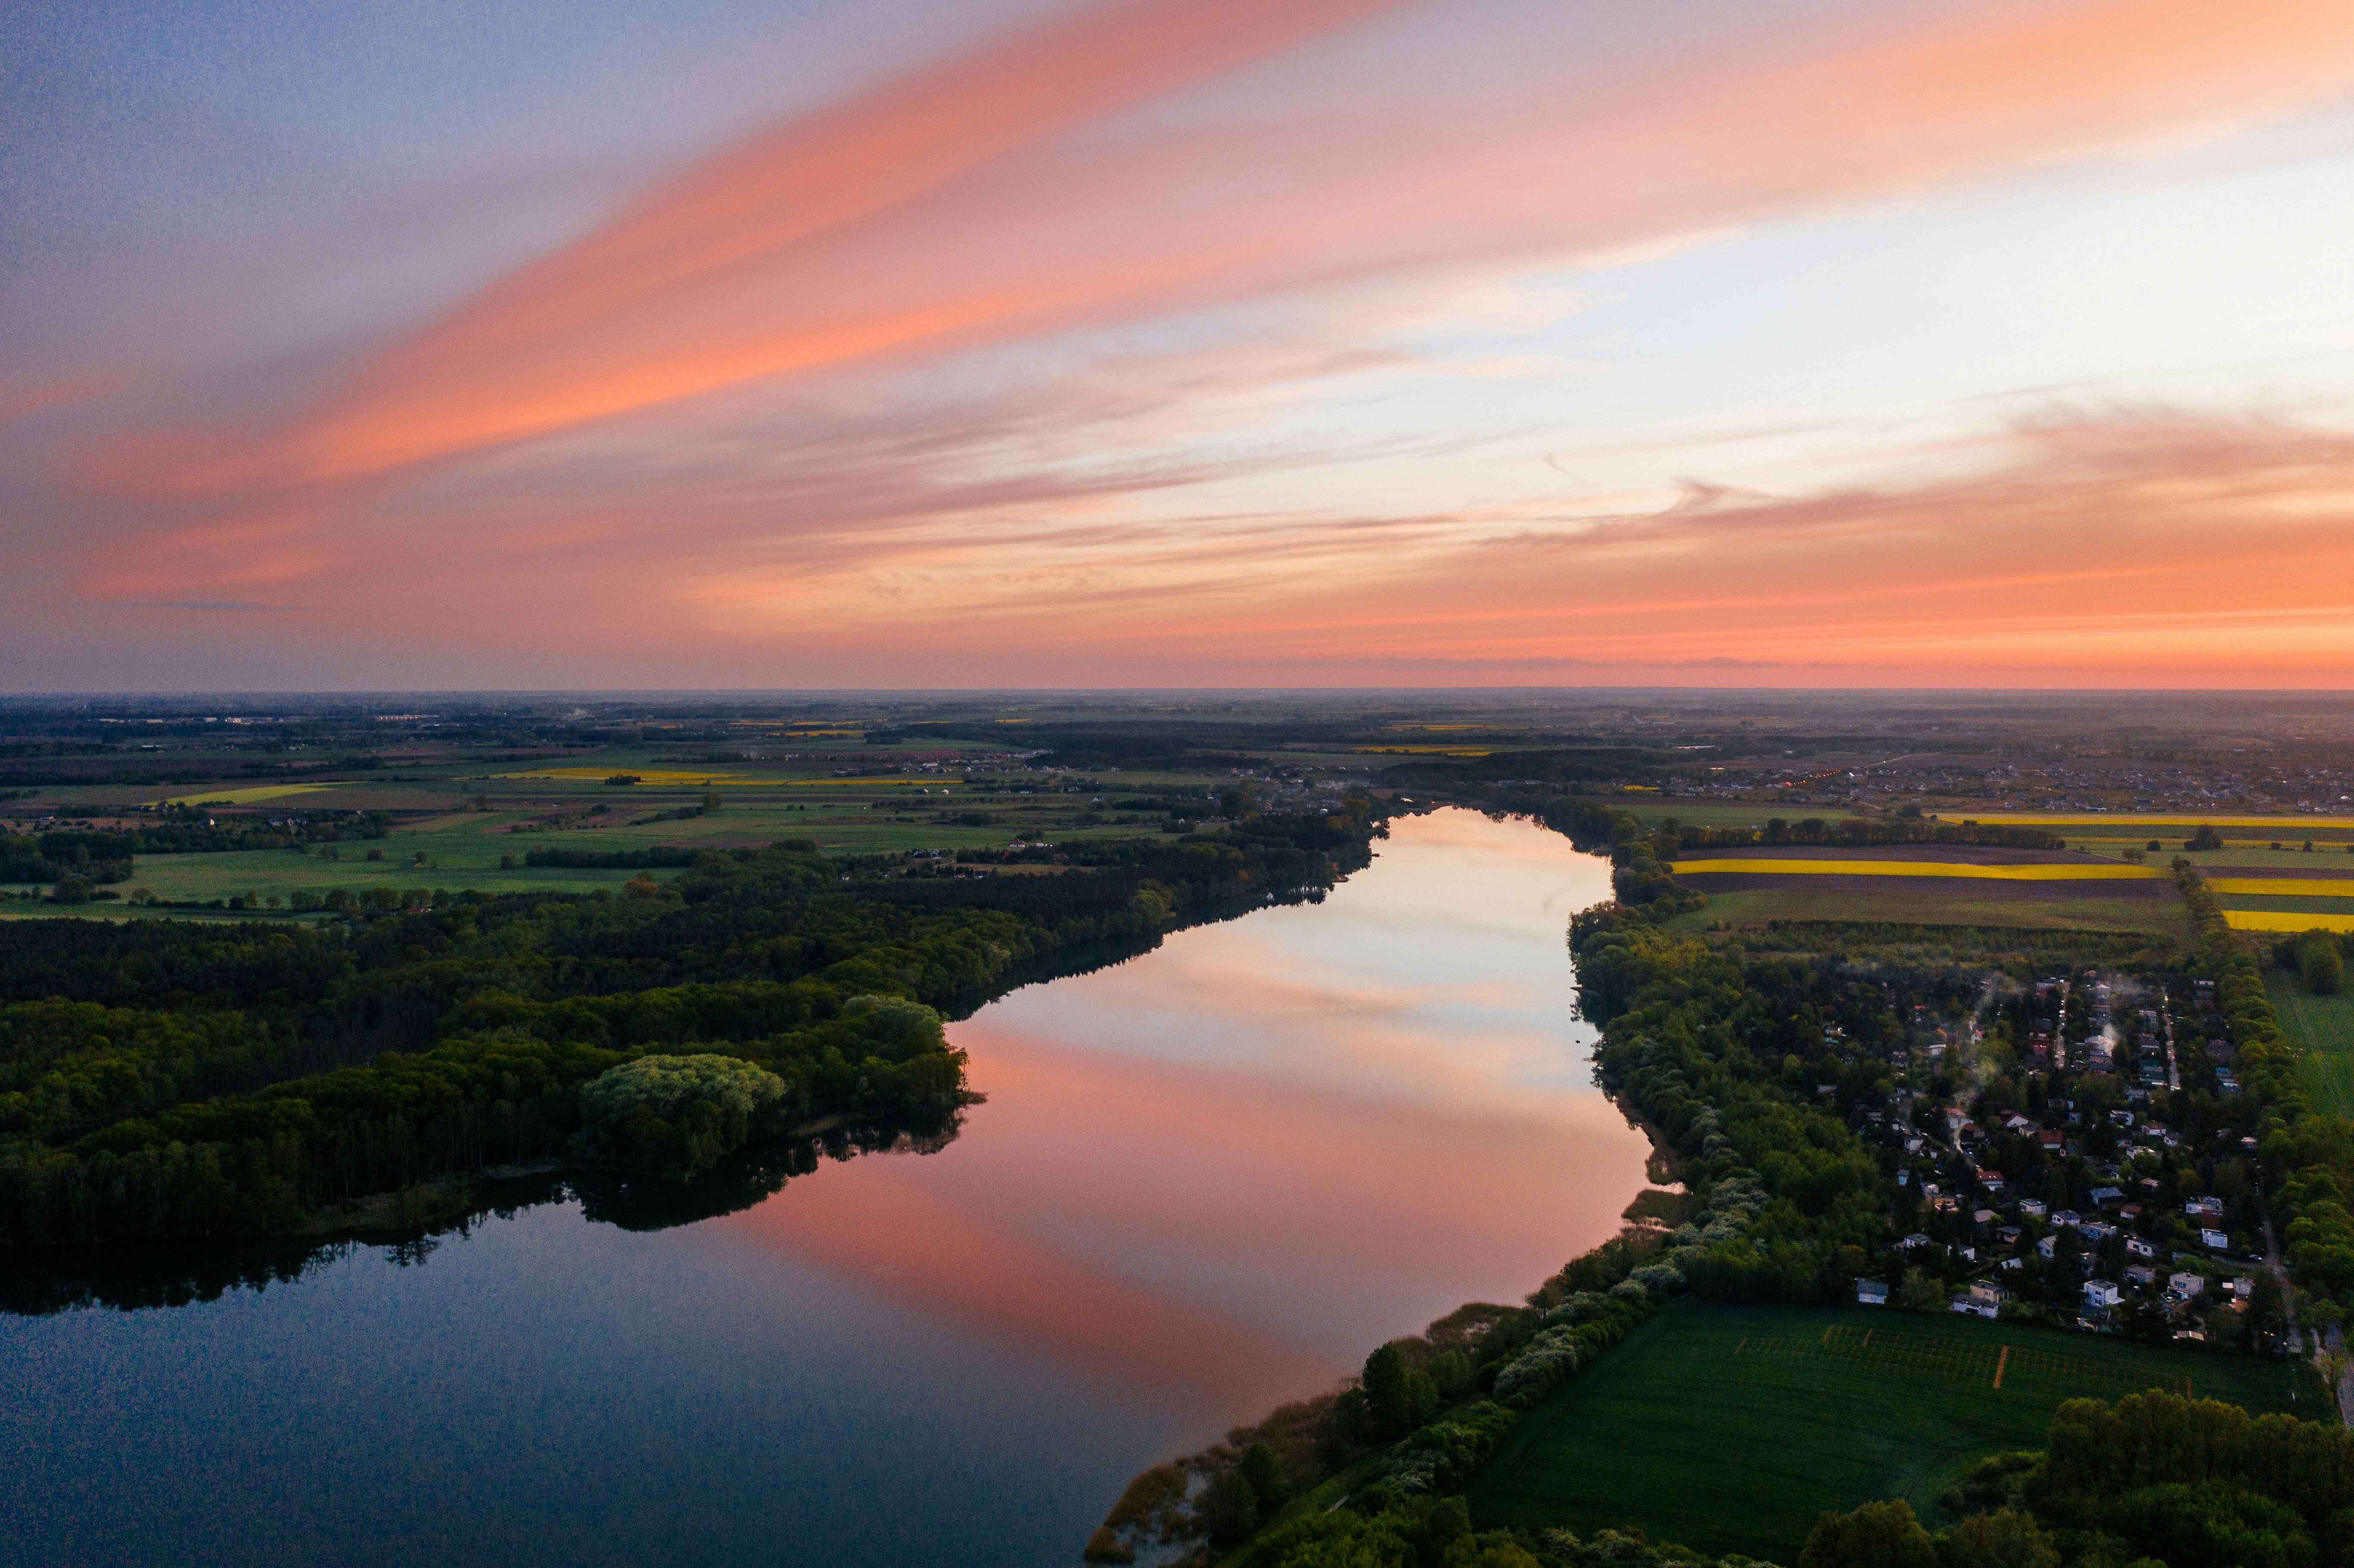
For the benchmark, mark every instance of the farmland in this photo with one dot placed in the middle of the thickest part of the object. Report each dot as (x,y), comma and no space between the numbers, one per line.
(1932,885)
(460,823)
(1731,1428)
(2323,1029)
(2339,919)
(1858,865)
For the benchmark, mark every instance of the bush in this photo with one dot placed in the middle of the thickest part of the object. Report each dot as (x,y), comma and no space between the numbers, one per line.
(1877,1535)
(676,1116)
(2321,964)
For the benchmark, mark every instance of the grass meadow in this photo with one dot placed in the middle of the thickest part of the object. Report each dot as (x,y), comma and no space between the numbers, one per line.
(2324,1027)
(1733,1428)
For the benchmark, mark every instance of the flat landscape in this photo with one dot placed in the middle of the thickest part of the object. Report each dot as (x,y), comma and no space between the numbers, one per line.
(2323,1027)
(1733,1428)
(1931,885)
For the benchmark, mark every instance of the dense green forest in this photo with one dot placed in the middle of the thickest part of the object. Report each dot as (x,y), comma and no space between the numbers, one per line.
(160,1078)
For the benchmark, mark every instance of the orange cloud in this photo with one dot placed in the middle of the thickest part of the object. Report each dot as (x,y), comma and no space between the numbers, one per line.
(561,441)
(910,216)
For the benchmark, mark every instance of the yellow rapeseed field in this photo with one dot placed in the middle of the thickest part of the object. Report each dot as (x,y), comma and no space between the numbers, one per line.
(2284,886)
(2278,920)
(249,797)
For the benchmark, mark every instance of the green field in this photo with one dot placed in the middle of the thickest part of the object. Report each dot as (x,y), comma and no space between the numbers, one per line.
(1940,902)
(2323,1027)
(1733,1428)
(464,816)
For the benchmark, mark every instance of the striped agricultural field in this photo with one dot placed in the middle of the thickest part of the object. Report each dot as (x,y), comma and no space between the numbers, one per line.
(2063,871)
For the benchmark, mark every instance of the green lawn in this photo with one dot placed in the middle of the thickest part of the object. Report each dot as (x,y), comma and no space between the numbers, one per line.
(2323,1026)
(1734,1428)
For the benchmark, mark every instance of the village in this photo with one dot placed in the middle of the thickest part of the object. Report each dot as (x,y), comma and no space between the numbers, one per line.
(2078,1157)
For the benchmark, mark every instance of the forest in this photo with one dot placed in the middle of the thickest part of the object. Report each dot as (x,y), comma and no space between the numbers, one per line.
(169,1079)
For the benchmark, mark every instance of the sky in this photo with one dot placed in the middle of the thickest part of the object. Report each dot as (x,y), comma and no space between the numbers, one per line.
(1176,343)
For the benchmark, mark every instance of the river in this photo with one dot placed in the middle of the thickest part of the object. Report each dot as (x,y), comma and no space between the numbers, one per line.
(1205,1180)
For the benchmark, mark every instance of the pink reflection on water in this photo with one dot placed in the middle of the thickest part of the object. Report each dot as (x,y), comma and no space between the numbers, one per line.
(1225,1169)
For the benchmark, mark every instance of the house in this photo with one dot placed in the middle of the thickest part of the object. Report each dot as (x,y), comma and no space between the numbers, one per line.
(2099,1295)
(2140,1276)
(1990,1179)
(1913,1242)
(2095,1233)
(2031,1207)
(2008,1235)
(2105,1196)
(2141,1248)
(2048,1248)
(1872,1292)
(2067,1217)
(2184,1284)
(1984,1299)
(2243,1287)
(2215,1240)
(2207,1208)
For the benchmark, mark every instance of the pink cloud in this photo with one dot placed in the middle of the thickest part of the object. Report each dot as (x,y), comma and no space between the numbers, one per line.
(586,435)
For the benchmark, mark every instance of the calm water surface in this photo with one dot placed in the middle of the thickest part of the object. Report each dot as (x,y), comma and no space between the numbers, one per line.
(1205,1180)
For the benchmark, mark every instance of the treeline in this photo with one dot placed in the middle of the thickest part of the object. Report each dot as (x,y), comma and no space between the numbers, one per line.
(2153,1479)
(653,858)
(1702,1042)
(1512,775)
(1435,1404)
(103,856)
(210,1080)
(2308,1156)
(1866,831)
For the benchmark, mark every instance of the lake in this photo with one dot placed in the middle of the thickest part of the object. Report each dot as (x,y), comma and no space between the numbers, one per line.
(1205,1180)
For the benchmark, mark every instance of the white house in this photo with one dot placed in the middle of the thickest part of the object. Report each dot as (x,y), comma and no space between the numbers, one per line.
(1872,1292)
(2099,1295)
(2183,1286)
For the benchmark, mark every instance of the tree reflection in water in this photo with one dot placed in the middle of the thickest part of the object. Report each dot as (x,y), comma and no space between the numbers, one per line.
(130,1278)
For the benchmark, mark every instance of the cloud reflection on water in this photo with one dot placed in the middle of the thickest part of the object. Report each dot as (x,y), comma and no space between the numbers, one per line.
(1222,1171)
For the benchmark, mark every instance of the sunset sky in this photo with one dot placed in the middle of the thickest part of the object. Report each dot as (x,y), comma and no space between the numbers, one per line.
(1166,343)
